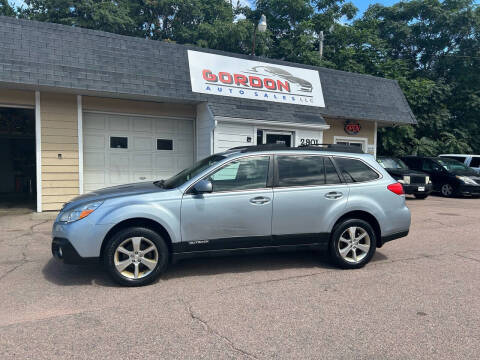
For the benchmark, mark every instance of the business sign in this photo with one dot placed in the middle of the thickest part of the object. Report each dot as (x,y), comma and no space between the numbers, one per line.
(352,127)
(247,79)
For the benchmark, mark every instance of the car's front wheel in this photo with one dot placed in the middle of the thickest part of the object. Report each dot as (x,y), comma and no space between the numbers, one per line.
(353,243)
(136,256)
(447,190)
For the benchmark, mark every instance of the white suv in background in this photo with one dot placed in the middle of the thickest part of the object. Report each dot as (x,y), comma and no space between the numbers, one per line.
(472,161)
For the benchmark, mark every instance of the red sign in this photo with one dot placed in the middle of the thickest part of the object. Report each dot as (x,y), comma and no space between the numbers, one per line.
(352,128)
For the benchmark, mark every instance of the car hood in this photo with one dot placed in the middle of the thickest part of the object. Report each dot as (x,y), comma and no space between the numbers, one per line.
(114,192)
(467,172)
(405,172)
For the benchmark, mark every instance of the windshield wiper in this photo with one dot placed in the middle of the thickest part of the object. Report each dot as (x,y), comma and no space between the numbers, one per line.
(159,183)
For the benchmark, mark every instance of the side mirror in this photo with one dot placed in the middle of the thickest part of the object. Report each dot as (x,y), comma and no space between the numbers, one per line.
(203,186)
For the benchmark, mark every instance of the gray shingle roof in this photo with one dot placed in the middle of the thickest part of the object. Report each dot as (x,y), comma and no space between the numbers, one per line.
(45,56)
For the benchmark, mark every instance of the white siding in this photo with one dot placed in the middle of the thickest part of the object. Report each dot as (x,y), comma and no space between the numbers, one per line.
(204,127)
(315,135)
(229,135)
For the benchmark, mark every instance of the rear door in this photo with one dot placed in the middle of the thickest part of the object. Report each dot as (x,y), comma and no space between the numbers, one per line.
(307,193)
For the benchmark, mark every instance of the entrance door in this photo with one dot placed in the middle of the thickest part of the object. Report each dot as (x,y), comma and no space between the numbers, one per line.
(274,137)
(17,158)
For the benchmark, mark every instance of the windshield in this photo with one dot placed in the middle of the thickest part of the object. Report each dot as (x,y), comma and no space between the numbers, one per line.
(454,166)
(392,163)
(191,172)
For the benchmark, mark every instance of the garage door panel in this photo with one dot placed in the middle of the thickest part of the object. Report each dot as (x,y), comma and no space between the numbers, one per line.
(183,147)
(118,123)
(94,141)
(183,162)
(95,160)
(94,122)
(167,162)
(165,126)
(143,143)
(140,161)
(142,125)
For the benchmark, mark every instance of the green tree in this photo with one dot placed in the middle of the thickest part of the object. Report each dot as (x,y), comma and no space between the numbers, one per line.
(6,9)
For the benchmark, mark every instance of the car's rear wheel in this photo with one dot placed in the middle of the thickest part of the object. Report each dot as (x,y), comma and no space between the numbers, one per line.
(421,196)
(353,243)
(447,190)
(136,256)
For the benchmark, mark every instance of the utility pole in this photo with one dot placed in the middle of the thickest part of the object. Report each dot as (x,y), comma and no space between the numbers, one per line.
(320,48)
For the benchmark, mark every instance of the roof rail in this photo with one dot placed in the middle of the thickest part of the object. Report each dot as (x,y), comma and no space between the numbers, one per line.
(283,147)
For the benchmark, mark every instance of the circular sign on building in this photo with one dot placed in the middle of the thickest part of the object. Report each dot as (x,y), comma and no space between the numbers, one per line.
(352,127)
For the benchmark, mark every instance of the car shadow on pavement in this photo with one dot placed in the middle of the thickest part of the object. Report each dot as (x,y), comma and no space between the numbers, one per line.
(69,275)
(95,274)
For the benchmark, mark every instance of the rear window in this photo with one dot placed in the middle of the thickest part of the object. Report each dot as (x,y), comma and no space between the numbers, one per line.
(300,170)
(355,170)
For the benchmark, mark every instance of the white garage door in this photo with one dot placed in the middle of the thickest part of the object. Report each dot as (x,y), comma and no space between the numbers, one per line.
(120,149)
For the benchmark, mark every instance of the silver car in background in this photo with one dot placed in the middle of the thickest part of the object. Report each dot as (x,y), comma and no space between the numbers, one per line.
(257,198)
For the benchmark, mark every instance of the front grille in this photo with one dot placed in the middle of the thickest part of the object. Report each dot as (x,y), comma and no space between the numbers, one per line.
(417,180)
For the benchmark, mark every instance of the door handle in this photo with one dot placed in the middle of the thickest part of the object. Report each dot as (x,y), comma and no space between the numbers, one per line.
(260,200)
(333,195)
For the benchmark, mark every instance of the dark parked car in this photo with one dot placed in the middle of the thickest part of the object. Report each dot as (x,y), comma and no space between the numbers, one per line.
(449,177)
(414,182)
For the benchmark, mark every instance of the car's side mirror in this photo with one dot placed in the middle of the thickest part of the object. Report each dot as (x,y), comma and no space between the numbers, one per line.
(202,187)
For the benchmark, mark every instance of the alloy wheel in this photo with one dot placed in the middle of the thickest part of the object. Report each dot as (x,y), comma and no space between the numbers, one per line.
(135,257)
(354,244)
(447,190)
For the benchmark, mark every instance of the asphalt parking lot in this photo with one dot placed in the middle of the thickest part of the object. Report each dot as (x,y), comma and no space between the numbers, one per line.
(417,299)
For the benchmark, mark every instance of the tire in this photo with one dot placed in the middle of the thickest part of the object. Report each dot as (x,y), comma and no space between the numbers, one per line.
(421,196)
(124,251)
(338,246)
(447,190)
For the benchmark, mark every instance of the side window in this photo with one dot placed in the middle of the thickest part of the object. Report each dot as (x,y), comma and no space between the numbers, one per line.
(242,174)
(458,158)
(429,165)
(413,163)
(300,170)
(475,162)
(355,170)
(331,175)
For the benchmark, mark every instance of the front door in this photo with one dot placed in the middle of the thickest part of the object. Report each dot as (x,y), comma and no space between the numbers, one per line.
(238,213)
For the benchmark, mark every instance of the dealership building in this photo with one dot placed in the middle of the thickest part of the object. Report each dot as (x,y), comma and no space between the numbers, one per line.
(83,109)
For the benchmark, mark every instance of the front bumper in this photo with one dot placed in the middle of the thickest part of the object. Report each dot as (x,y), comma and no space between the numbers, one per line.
(64,251)
(470,190)
(416,188)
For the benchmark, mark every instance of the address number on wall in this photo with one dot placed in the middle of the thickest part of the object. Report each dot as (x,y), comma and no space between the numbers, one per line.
(306,142)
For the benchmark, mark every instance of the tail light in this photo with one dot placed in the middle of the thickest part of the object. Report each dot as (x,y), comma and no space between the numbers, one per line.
(396,188)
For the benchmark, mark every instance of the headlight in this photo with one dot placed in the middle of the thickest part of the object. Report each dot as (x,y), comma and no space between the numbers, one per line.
(79,212)
(427,179)
(466,180)
(406,179)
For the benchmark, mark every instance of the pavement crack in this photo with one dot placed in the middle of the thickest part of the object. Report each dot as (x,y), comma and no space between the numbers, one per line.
(210,330)
(467,257)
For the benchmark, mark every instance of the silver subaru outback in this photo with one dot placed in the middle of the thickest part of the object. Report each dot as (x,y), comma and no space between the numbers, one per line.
(256,198)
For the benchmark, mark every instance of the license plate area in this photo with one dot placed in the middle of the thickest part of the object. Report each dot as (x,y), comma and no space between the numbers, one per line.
(421,188)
